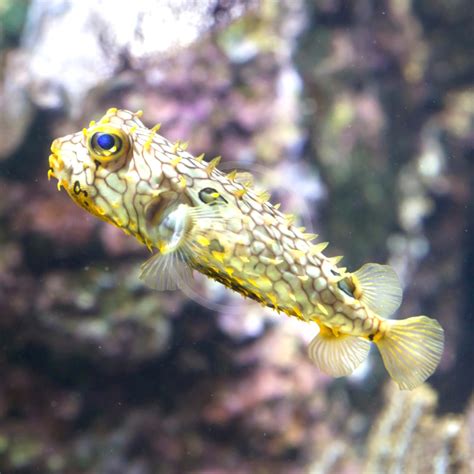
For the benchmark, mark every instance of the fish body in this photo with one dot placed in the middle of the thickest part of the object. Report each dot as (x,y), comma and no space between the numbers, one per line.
(194,217)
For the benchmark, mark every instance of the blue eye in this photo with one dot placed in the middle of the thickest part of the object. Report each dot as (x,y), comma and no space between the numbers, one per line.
(106,141)
(106,146)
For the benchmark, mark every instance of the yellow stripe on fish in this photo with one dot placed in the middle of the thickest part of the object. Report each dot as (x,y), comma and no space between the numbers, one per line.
(198,218)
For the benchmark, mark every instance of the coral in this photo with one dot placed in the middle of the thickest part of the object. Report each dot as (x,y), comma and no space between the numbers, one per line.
(357,116)
(407,436)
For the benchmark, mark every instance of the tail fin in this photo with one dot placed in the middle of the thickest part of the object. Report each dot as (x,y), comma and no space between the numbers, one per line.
(411,349)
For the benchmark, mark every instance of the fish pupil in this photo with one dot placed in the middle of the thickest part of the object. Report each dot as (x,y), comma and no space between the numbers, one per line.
(105,141)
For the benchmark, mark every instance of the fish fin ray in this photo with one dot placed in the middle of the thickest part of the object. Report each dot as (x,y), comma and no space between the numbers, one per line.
(378,286)
(212,213)
(337,355)
(411,350)
(245,178)
(217,218)
(167,271)
(206,211)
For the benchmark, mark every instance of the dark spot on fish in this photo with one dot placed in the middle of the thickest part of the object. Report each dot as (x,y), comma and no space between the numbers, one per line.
(346,286)
(211,196)
(371,337)
(77,187)
(78,190)
(215,245)
(97,163)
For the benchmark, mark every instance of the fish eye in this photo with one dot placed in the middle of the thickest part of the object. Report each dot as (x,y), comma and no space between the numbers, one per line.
(211,196)
(106,145)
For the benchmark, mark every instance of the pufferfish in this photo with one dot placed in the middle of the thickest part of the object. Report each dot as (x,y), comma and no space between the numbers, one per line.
(195,217)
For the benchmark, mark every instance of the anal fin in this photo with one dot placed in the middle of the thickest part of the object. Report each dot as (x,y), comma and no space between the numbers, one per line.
(337,355)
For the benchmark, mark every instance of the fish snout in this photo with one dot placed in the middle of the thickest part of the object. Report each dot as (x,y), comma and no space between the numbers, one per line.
(57,167)
(55,146)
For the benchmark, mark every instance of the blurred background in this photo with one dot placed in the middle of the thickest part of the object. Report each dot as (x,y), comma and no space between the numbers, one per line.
(357,115)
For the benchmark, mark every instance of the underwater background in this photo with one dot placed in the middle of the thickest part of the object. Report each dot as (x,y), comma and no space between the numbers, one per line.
(357,115)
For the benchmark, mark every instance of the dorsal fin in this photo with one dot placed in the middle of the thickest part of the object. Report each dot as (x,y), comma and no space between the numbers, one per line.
(378,287)
(245,178)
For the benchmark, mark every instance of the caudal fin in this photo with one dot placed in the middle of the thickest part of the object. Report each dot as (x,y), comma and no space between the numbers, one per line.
(411,349)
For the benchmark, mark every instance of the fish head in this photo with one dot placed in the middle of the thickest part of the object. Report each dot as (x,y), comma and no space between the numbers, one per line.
(107,170)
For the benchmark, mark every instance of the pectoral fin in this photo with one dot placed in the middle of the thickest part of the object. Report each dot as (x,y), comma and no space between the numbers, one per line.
(170,268)
(337,355)
(168,271)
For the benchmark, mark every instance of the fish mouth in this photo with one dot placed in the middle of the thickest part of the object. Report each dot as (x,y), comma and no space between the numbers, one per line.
(57,167)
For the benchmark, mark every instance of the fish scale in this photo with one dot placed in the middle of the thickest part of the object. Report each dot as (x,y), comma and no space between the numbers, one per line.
(237,237)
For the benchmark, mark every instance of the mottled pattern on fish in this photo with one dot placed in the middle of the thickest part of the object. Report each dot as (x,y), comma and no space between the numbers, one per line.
(130,176)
